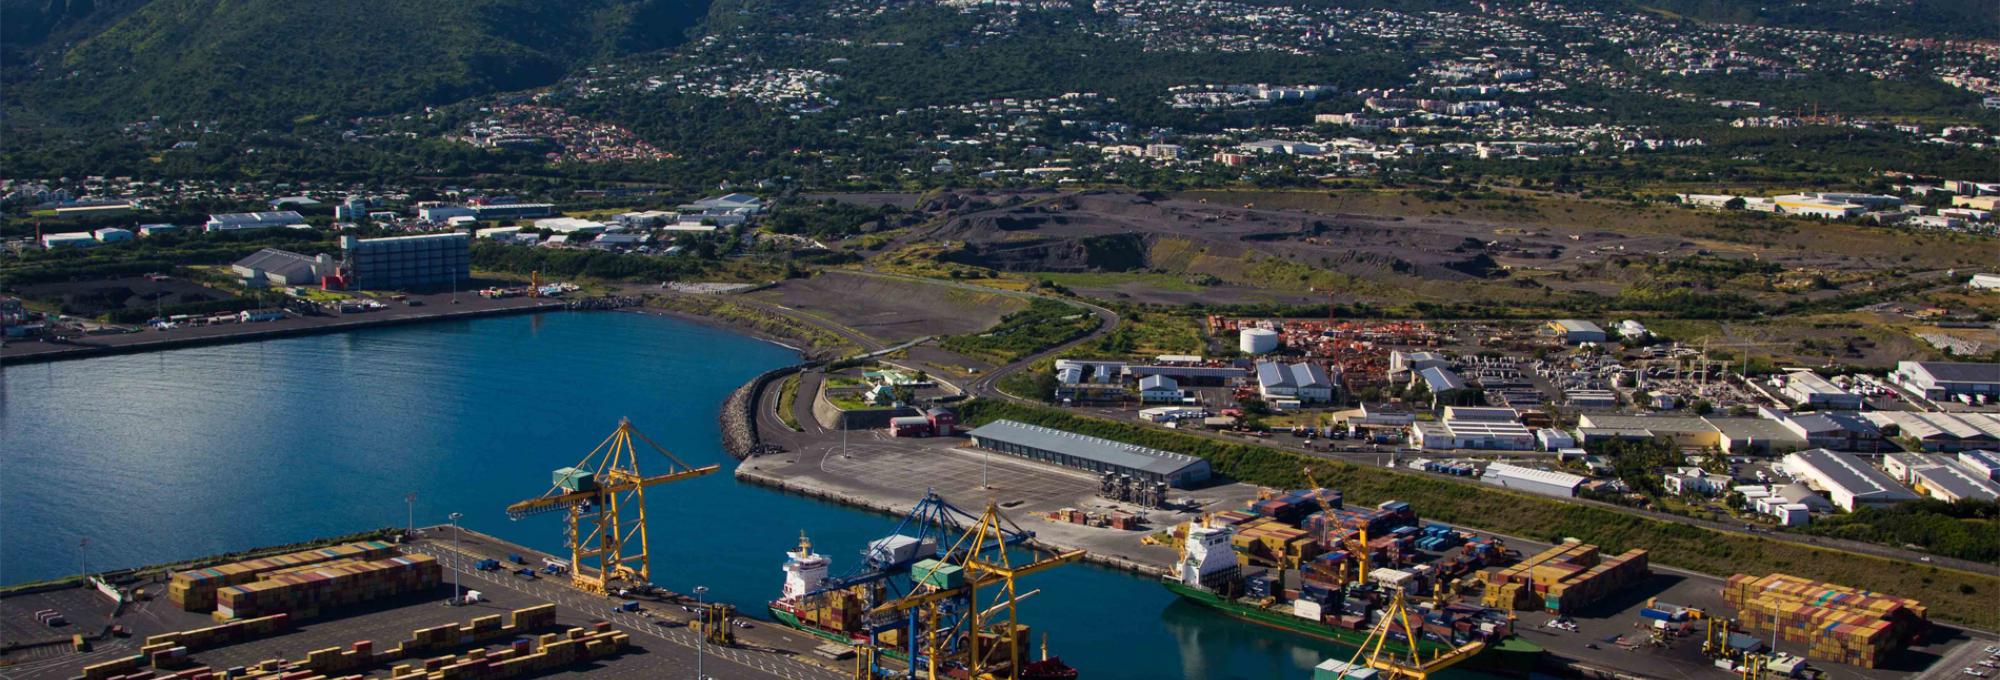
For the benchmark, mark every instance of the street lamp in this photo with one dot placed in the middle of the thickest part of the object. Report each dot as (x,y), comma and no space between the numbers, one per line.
(701,618)
(411,502)
(456,597)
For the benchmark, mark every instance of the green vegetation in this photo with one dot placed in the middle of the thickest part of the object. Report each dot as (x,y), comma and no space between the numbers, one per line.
(1967,530)
(1952,595)
(1150,334)
(818,341)
(827,219)
(278,63)
(788,397)
(1044,324)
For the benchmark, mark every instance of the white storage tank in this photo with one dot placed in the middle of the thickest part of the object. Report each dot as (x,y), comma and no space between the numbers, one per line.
(1258,341)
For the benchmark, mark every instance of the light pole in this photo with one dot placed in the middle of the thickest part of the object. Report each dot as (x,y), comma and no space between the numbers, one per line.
(411,502)
(456,598)
(701,618)
(82,566)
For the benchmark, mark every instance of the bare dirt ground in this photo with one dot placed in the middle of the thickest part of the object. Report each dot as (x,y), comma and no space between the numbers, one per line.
(889,310)
(1251,253)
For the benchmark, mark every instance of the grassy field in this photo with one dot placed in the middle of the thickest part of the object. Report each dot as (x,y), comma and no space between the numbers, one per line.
(1117,279)
(1952,595)
(788,398)
(1044,323)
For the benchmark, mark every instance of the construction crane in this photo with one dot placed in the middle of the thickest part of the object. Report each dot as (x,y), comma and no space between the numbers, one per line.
(950,629)
(1357,548)
(1409,665)
(605,497)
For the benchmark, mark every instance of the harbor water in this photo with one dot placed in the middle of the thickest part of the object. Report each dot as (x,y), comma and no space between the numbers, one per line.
(140,459)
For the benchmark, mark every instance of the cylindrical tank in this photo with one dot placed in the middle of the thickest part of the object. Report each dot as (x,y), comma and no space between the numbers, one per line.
(1258,341)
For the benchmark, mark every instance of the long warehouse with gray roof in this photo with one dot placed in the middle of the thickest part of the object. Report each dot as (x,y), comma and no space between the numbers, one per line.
(1095,454)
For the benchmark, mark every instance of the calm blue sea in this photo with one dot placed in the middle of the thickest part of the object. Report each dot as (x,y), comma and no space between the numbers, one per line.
(155,457)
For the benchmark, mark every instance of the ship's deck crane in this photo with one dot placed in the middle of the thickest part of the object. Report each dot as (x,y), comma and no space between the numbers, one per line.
(950,628)
(605,496)
(1410,665)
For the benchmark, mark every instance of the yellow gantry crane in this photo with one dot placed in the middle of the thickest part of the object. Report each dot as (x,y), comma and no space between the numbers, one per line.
(1410,665)
(1357,549)
(605,496)
(956,629)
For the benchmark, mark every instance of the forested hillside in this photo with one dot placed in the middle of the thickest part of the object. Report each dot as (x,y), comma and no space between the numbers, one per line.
(281,62)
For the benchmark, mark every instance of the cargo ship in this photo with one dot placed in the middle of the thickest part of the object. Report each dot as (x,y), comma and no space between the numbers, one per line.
(841,614)
(1208,574)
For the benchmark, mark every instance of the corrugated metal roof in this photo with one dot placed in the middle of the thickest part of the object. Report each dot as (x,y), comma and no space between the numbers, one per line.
(1114,453)
(1847,471)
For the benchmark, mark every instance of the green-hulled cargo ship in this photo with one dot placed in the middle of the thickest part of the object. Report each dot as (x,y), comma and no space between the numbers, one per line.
(1207,570)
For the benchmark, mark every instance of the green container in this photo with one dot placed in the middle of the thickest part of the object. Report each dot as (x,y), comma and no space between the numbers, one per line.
(574,479)
(937,574)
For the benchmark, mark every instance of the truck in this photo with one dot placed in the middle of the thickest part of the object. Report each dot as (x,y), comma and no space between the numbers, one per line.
(627,606)
(516,558)
(526,573)
(487,565)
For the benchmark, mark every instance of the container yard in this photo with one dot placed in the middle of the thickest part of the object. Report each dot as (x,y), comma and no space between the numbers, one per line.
(879,473)
(1836,623)
(1564,578)
(349,616)
(194,590)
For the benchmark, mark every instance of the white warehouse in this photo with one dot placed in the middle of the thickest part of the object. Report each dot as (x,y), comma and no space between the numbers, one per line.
(1848,480)
(1531,480)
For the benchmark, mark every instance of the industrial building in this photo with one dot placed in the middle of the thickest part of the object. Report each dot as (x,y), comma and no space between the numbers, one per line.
(1851,483)
(1095,454)
(1938,380)
(1940,431)
(1686,432)
(1983,461)
(274,268)
(1532,480)
(1941,477)
(77,239)
(1807,388)
(256,220)
(509,211)
(1402,364)
(1837,430)
(402,262)
(1160,389)
(1756,435)
(1497,429)
(1575,332)
(1303,382)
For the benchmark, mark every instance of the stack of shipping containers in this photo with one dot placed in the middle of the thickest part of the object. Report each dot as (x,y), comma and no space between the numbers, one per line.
(305,591)
(194,590)
(1564,578)
(1836,623)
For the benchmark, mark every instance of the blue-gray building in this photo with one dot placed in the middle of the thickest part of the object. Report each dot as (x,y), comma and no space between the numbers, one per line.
(403,262)
(1095,454)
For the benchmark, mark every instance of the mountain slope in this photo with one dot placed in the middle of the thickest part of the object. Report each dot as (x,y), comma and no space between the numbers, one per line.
(273,62)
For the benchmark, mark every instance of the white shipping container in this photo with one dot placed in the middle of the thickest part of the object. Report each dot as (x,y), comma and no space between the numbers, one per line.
(1306,609)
